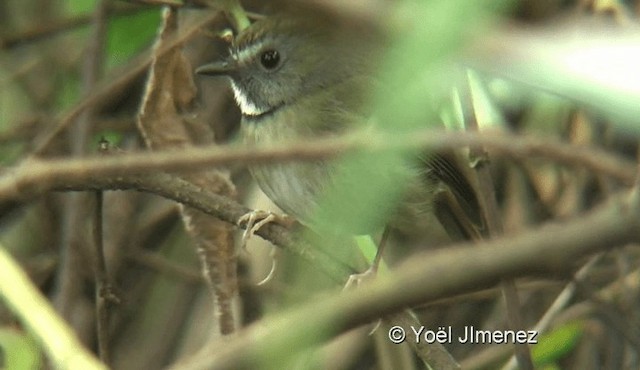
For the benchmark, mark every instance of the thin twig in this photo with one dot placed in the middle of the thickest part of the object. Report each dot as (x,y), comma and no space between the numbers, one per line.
(74,238)
(559,303)
(103,294)
(102,91)
(489,356)
(491,214)
(100,273)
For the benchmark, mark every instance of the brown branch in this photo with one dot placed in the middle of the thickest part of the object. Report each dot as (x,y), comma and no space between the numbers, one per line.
(104,290)
(222,207)
(491,214)
(100,274)
(426,277)
(35,176)
(74,239)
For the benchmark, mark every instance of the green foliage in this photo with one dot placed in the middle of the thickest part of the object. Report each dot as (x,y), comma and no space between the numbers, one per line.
(557,344)
(68,91)
(129,34)
(413,74)
(18,350)
(78,7)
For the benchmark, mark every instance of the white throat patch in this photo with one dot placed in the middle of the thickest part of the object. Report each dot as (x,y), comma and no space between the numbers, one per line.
(246,106)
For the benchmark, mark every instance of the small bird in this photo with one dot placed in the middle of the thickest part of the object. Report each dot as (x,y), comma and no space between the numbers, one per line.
(301,76)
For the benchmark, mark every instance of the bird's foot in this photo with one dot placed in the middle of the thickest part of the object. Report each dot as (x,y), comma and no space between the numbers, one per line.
(274,266)
(256,219)
(356,280)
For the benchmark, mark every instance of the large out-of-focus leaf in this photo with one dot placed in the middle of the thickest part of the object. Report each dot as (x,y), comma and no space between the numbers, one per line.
(556,344)
(18,351)
(593,65)
(415,75)
(77,7)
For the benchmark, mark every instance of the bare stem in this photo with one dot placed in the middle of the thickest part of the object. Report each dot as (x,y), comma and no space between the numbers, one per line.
(491,215)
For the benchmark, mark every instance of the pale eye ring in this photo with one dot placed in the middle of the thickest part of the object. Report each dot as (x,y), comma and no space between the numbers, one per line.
(270,59)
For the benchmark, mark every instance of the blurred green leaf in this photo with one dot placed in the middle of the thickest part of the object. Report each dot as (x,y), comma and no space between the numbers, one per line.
(129,34)
(20,351)
(557,344)
(69,91)
(77,7)
(416,73)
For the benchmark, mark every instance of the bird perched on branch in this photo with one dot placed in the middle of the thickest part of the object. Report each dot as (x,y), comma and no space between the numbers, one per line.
(302,75)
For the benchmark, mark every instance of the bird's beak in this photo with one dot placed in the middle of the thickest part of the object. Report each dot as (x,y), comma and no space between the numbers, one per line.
(220,68)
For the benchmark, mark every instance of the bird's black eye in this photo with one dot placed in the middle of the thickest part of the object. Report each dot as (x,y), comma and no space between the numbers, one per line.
(270,59)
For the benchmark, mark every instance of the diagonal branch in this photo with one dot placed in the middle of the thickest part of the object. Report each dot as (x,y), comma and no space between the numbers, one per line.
(425,277)
(219,206)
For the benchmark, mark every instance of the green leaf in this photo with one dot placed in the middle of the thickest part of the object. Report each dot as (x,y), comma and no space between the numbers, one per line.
(557,344)
(128,34)
(18,350)
(413,75)
(78,7)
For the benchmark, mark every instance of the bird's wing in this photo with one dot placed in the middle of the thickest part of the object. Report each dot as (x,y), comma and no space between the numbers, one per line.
(455,203)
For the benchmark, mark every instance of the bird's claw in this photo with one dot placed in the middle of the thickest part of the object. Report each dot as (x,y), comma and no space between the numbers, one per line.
(255,220)
(356,280)
(252,222)
(272,271)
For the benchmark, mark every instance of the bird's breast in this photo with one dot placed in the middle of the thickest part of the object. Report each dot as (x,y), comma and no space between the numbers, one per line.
(293,186)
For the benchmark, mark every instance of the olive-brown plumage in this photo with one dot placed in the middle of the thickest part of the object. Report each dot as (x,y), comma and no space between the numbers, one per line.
(297,77)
